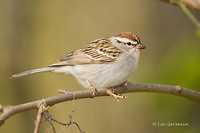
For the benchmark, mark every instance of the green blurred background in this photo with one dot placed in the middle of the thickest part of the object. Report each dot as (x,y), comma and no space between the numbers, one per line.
(36,33)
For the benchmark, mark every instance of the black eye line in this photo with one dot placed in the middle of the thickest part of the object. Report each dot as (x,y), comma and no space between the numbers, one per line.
(129,43)
(137,40)
(119,41)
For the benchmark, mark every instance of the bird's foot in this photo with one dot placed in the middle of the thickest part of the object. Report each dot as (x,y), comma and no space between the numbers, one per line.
(117,97)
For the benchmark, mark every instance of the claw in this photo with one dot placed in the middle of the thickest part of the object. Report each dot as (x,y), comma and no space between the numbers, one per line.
(117,97)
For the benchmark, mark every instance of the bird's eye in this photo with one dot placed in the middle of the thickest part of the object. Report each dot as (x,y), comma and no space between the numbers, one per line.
(128,43)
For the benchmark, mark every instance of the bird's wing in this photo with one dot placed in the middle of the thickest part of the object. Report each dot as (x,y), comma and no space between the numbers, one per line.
(98,52)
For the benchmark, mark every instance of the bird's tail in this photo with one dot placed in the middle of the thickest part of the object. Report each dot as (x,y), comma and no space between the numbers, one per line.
(34,71)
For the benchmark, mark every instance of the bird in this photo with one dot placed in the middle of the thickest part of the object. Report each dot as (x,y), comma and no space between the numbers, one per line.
(104,63)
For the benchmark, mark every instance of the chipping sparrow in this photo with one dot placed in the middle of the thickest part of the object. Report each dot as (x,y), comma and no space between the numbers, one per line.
(104,63)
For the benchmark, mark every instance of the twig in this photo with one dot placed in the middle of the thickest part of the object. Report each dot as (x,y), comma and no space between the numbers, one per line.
(38,120)
(50,118)
(190,15)
(185,4)
(42,107)
(52,126)
(193,4)
(8,111)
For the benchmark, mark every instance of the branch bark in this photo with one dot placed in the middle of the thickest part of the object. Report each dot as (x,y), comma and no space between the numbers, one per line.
(8,111)
(39,118)
(192,4)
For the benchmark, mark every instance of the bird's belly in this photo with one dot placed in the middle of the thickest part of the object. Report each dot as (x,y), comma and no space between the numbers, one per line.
(103,75)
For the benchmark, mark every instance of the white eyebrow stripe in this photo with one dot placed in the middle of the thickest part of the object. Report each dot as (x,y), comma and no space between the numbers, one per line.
(125,40)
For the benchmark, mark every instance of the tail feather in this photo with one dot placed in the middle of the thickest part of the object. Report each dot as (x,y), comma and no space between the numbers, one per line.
(30,72)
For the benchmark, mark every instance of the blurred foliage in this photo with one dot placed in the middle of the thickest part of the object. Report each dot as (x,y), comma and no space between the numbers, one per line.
(191,17)
(36,33)
(197,33)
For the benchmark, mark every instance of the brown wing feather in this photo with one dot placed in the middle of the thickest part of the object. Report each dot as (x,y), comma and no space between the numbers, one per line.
(98,52)
(102,50)
(67,57)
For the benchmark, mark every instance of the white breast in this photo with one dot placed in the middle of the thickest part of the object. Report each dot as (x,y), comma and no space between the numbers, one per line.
(106,75)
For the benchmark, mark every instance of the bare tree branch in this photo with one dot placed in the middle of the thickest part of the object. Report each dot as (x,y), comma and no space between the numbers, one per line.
(8,111)
(39,117)
(50,119)
(193,4)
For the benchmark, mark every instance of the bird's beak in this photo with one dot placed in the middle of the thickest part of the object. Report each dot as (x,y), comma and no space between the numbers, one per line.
(140,46)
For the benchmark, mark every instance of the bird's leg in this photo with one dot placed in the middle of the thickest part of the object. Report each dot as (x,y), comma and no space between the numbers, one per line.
(117,97)
(94,90)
